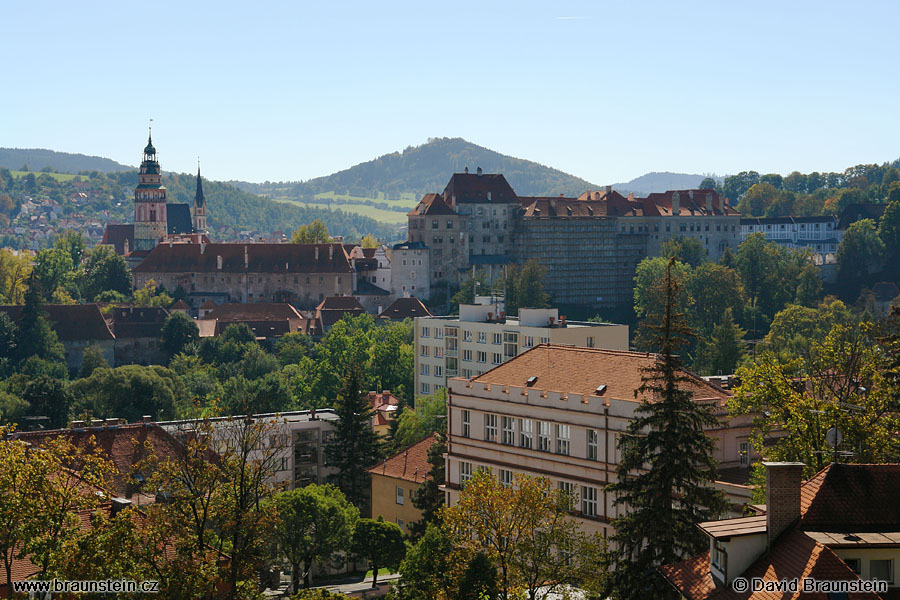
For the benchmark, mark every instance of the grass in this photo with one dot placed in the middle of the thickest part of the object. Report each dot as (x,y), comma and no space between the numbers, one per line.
(57,176)
(390,217)
(406,199)
(381,572)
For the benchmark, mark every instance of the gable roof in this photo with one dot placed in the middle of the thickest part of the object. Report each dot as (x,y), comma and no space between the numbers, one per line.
(409,464)
(257,311)
(431,205)
(246,258)
(71,322)
(333,308)
(138,322)
(690,202)
(116,235)
(178,219)
(405,308)
(853,497)
(570,369)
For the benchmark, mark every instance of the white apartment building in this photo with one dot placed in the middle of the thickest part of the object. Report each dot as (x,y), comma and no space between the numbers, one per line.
(483,337)
(297,439)
(558,412)
(818,234)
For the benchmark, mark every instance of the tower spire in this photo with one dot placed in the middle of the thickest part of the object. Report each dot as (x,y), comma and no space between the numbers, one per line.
(199,204)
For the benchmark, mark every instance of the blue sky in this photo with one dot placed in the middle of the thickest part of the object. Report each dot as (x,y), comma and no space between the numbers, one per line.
(604,90)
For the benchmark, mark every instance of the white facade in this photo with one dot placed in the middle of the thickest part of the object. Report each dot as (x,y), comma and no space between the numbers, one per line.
(817,234)
(410,271)
(482,337)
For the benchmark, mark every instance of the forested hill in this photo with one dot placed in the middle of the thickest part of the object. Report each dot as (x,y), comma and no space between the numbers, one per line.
(661,182)
(37,159)
(427,168)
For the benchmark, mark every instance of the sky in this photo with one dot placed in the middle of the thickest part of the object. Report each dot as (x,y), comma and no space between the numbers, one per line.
(606,91)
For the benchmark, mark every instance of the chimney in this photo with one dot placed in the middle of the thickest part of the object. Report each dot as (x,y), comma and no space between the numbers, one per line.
(202,248)
(330,252)
(782,496)
(219,261)
(709,206)
(478,171)
(146,419)
(676,204)
(467,170)
(117,505)
(609,189)
(489,196)
(246,257)
(317,253)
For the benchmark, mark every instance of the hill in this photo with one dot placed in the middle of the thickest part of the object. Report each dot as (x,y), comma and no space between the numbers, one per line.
(58,162)
(661,182)
(427,168)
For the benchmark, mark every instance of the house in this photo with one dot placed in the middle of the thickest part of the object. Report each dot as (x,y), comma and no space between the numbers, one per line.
(77,326)
(267,320)
(395,481)
(842,526)
(138,332)
(404,308)
(333,308)
(385,405)
(411,270)
(558,412)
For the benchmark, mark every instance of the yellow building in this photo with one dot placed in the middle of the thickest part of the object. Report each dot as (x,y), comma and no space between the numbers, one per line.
(395,481)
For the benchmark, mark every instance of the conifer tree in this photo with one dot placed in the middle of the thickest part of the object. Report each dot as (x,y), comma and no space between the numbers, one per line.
(664,503)
(355,445)
(429,498)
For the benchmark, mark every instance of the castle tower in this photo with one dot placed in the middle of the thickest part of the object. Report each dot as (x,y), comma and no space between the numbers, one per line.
(149,202)
(199,205)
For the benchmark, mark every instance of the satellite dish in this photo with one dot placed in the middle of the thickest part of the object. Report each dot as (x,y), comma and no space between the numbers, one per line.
(834,437)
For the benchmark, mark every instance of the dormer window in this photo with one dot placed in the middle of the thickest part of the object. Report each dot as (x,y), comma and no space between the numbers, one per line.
(717,556)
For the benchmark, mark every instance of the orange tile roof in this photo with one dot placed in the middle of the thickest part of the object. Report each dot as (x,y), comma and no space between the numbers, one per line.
(410,464)
(405,308)
(570,369)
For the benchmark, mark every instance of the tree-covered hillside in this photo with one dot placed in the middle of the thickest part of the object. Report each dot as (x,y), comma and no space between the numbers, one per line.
(427,168)
(38,159)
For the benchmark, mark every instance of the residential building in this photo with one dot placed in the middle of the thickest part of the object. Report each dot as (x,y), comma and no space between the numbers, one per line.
(404,308)
(296,442)
(820,235)
(302,274)
(482,337)
(411,270)
(385,406)
(333,308)
(841,527)
(435,224)
(558,412)
(395,482)
(138,332)
(267,320)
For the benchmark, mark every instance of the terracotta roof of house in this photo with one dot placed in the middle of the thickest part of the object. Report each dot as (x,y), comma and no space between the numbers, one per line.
(138,322)
(854,497)
(71,322)
(117,234)
(260,258)
(117,443)
(382,401)
(257,311)
(208,304)
(431,205)
(474,187)
(690,202)
(570,369)
(180,305)
(410,464)
(405,308)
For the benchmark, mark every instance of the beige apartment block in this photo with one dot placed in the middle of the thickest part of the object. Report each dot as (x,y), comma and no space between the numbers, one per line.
(482,337)
(558,412)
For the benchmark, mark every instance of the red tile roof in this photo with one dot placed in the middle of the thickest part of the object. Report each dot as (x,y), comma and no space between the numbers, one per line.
(855,497)
(569,369)
(333,308)
(138,322)
(257,311)
(410,464)
(71,322)
(474,187)
(691,203)
(260,258)
(431,205)
(116,235)
(405,308)
(382,401)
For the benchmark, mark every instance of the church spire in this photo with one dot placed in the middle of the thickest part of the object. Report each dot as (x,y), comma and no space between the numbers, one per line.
(199,205)
(198,197)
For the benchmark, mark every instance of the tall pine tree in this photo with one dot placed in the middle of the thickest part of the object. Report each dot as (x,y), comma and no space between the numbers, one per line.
(355,445)
(663,504)
(429,498)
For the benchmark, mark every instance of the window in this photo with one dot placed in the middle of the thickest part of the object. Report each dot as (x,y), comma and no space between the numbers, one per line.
(588,501)
(466,424)
(509,430)
(545,340)
(426,332)
(568,491)
(465,473)
(498,338)
(439,352)
(525,433)
(589,342)
(424,388)
(744,451)
(438,333)
(467,355)
(543,436)
(482,337)
(490,428)
(497,358)
(424,370)
(482,356)
(510,344)
(881,569)
(506,478)
(592,442)
(562,439)
(854,564)
(400,498)
(529,341)
(467,336)
(400,523)
(718,557)
(426,351)
(434,224)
